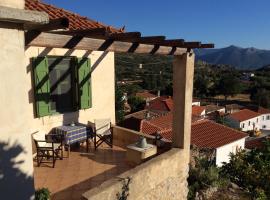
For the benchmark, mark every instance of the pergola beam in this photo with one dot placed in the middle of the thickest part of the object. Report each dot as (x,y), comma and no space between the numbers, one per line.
(72,42)
(20,16)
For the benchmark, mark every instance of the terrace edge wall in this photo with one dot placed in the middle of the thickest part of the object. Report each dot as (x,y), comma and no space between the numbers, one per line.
(163,177)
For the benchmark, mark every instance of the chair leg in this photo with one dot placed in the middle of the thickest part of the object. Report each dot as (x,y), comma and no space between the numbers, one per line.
(95,142)
(53,158)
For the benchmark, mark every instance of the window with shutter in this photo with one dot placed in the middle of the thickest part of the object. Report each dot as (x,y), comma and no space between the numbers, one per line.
(62,84)
(84,83)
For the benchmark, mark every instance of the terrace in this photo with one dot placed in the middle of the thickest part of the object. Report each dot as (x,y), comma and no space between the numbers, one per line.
(83,171)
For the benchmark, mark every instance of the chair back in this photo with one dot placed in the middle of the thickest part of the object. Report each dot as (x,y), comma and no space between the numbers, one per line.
(38,137)
(102,126)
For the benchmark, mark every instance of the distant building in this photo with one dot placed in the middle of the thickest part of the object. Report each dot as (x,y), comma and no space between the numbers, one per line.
(196,102)
(147,96)
(214,108)
(264,117)
(232,108)
(198,111)
(162,104)
(245,120)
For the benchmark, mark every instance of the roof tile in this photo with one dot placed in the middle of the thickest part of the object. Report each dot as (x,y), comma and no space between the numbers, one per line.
(76,22)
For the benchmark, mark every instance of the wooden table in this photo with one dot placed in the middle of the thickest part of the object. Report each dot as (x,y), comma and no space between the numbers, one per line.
(136,155)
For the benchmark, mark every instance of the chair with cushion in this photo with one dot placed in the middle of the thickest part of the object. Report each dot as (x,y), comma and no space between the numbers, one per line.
(49,146)
(103,132)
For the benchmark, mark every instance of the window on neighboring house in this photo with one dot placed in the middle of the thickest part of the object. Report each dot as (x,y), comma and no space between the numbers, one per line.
(243,125)
(62,84)
(257,120)
(263,118)
(268,117)
(249,123)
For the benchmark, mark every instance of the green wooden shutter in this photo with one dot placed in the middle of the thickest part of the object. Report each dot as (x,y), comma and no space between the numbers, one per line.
(42,86)
(84,83)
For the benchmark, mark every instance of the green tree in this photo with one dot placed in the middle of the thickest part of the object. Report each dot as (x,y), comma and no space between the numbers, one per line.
(229,85)
(251,170)
(119,104)
(136,103)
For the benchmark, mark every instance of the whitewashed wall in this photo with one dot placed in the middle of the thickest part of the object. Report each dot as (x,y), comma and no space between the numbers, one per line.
(247,127)
(223,153)
(265,122)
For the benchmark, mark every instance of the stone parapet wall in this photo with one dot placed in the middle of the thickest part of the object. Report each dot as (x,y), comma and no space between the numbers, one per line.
(163,177)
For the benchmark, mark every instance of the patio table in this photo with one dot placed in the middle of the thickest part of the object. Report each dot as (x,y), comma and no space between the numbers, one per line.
(74,134)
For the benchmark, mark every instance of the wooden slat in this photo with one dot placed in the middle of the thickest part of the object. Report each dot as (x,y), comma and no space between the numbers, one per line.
(54,24)
(207,46)
(62,41)
(172,43)
(146,40)
(124,36)
(191,45)
(98,32)
(20,16)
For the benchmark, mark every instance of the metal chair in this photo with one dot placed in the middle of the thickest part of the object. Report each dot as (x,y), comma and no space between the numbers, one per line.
(103,132)
(48,146)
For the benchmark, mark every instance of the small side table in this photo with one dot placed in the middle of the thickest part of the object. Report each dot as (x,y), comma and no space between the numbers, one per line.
(136,154)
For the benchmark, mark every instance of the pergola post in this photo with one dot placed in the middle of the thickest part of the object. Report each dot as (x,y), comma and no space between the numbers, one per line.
(183,71)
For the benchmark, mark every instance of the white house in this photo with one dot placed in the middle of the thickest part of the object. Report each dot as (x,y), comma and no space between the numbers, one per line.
(245,120)
(198,111)
(264,118)
(223,140)
(196,102)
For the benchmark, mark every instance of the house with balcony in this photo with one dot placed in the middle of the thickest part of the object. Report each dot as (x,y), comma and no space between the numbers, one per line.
(264,117)
(57,69)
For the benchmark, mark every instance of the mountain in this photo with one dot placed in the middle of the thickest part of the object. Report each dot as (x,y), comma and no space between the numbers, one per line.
(240,58)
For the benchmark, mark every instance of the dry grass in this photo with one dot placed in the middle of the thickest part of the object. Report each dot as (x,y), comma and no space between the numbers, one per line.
(238,97)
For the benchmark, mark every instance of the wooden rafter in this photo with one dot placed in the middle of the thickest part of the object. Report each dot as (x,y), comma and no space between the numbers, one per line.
(84,43)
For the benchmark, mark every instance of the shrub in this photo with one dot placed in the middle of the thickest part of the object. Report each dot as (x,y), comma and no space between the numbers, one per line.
(42,194)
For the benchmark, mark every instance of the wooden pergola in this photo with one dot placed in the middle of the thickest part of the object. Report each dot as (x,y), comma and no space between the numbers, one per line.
(42,32)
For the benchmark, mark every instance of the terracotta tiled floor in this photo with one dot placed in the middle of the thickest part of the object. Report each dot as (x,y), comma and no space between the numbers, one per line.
(81,171)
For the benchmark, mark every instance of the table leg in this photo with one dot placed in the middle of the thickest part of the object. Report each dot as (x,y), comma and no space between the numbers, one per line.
(87,145)
(68,150)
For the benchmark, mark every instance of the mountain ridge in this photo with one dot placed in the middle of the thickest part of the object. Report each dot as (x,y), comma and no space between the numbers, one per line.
(241,58)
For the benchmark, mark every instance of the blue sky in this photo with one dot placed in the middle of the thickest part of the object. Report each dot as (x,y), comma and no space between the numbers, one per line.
(242,23)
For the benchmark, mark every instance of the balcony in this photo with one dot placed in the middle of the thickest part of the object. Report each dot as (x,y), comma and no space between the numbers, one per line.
(84,171)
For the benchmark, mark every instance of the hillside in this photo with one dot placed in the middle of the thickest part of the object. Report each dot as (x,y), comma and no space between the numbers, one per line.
(241,58)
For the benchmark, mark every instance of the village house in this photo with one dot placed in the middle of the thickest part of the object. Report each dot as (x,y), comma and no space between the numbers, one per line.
(57,69)
(232,108)
(204,134)
(146,96)
(196,102)
(245,120)
(198,111)
(264,117)
(214,108)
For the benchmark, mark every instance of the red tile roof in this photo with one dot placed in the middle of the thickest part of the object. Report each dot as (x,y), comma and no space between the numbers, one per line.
(206,133)
(262,110)
(162,103)
(145,94)
(255,143)
(76,22)
(243,115)
(197,110)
